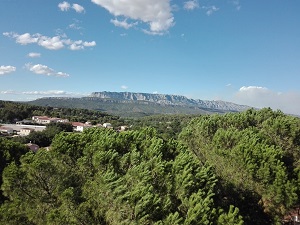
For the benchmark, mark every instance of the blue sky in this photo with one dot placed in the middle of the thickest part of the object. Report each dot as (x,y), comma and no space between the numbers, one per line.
(247,52)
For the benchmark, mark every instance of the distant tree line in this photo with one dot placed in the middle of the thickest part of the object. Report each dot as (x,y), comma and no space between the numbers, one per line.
(13,111)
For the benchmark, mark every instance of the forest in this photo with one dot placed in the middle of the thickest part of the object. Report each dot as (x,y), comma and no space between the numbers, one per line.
(236,168)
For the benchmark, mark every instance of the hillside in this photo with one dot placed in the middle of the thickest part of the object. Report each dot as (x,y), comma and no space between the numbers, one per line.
(129,104)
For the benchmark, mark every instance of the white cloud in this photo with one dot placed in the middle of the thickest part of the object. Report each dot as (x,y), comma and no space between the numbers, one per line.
(263,97)
(31,95)
(23,39)
(78,8)
(76,45)
(44,70)
(51,43)
(123,23)
(236,4)
(191,5)
(51,92)
(9,92)
(7,69)
(124,87)
(210,9)
(89,44)
(156,13)
(34,55)
(64,6)
(75,25)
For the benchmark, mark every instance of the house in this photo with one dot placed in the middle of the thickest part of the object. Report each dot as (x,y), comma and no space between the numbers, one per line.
(80,127)
(6,130)
(33,147)
(47,120)
(25,131)
(24,122)
(41,119)
(123,128)
(58,120)
(107,125)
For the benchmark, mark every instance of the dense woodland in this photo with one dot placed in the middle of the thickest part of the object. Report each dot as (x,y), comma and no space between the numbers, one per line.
(237,168)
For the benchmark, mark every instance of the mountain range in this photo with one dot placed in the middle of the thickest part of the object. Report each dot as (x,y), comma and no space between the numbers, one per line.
(130,104)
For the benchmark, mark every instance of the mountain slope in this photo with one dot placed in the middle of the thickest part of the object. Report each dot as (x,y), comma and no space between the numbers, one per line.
(165,99)
(129,104)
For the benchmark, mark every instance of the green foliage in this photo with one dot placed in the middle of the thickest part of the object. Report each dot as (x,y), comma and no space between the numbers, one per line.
(252,152)
(230,218)
(105,177)
(168,126)
(12,111)
(9,152)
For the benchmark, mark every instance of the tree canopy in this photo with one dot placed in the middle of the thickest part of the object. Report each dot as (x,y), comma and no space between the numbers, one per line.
(256,157)
(106,177)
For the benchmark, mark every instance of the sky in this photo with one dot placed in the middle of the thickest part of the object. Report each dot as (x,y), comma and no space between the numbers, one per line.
(246,52)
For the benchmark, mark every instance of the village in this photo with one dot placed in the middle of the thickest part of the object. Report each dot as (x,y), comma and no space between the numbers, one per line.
(39,123)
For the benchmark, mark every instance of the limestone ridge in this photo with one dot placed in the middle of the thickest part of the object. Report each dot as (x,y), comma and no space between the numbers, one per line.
(166,99)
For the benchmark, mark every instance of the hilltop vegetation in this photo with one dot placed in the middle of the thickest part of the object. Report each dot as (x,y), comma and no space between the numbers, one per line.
(13,111)
(236,168)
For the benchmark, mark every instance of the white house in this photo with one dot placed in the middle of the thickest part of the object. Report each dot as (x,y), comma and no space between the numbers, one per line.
(80,127)
(107,125)
(46,120)
(41,119)
(25,131)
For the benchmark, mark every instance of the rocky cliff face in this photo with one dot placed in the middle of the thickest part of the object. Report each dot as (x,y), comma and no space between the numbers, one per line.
(165,99)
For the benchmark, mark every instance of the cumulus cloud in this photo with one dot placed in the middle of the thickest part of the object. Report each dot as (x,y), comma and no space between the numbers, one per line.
(78,8)
(64,6)
(191,5)
(210,9)
(7,69)
(263,97)
(23,39)
(44,70)
(124,87)
(89,44)
(51,43)
(123,23)
(34,55)
(156,13)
